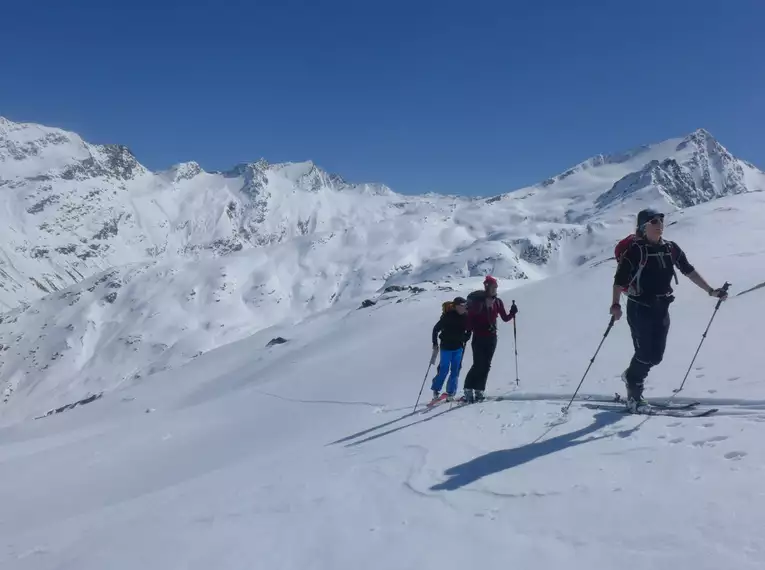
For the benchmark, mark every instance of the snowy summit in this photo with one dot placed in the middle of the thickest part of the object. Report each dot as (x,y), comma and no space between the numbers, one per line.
(248,347)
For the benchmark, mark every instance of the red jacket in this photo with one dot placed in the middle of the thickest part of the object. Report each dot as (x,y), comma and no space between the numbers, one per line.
(482,320)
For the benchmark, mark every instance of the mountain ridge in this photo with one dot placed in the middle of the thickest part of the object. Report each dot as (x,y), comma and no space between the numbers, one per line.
(76,208)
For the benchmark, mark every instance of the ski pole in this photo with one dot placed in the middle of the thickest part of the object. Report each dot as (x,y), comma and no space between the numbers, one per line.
(432,362)
(515,345)
(703,336)
(462,358)
(610,326)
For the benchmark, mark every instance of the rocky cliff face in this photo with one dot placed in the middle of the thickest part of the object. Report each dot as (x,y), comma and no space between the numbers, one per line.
(700,170)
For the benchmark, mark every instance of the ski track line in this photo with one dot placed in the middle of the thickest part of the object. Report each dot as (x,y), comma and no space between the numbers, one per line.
(333,402)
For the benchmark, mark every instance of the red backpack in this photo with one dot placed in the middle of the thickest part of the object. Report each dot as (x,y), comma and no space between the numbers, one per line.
(633,289)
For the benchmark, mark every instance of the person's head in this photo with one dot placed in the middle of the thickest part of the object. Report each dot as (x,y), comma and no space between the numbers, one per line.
(490,285)
(460,305)
(650,224)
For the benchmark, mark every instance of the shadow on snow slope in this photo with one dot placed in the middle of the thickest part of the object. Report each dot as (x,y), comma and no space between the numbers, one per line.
(394,430)
(501,460)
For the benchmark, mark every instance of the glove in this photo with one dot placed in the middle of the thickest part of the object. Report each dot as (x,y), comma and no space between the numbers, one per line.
(513,310)
(720,293)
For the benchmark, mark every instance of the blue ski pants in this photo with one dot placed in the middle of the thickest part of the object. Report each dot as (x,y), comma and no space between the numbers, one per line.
(451,361)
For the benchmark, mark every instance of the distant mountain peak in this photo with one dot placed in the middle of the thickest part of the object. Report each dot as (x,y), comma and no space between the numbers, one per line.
(184,171)
(699,170)
(701,137)
(701,132)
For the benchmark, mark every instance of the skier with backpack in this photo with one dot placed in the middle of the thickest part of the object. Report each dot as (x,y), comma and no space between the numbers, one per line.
(645,268)
(454,334)
(483,308)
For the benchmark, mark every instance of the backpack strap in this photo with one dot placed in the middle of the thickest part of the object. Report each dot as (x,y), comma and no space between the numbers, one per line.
(673,256)
(633,288)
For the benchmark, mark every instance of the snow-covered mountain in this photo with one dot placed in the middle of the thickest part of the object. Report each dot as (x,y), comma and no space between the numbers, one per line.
(73,209)
(670,175)
(699,170)
(110,272)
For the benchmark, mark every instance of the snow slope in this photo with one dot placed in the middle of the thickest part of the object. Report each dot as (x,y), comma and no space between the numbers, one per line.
(305,455)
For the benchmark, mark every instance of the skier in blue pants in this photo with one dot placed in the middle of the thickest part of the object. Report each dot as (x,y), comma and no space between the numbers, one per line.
(454,333)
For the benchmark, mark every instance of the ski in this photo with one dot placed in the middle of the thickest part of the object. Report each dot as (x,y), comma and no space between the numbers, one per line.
(670,406)
(462,400)
(672,412)
(651,410)
(662,405)
(459,403)
(617,400)
(434,402)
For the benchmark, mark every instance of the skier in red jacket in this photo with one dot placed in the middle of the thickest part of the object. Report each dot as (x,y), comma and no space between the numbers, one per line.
(483,309)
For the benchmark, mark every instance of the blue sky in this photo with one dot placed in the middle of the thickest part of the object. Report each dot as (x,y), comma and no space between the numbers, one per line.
(448,96)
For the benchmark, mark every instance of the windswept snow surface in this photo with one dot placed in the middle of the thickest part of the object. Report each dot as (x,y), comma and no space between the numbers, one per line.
(306,455)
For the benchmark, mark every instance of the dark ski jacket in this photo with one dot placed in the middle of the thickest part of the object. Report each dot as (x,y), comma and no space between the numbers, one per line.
(482,320)
(453,329)
(655,280)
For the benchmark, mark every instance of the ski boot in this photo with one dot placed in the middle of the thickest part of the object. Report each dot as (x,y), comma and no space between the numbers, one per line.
(637,405)
(479,397)
(635,401)
(468,397)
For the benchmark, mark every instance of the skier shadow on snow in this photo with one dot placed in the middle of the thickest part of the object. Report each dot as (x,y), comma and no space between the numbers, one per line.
(502,460)
(429,416)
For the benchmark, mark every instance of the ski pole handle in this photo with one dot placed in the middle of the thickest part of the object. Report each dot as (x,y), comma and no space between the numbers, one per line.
(724,289)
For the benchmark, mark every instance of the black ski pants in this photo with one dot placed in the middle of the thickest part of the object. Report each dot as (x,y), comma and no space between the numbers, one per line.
(483,351)
(649,325)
